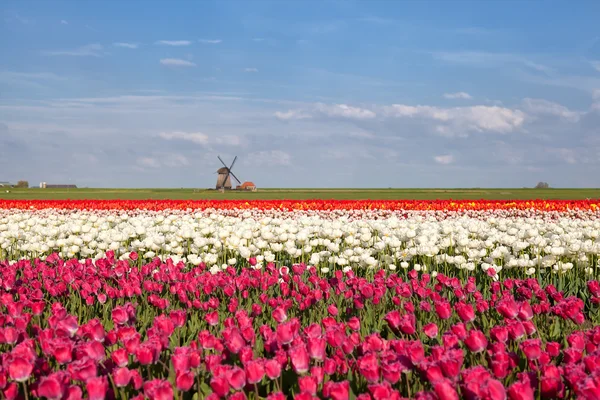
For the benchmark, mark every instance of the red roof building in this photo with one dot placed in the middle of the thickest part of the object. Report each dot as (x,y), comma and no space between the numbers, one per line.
(247,186)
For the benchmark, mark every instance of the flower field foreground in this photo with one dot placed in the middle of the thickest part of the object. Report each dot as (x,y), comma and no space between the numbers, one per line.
(395,205)
(221,301)
(111,329)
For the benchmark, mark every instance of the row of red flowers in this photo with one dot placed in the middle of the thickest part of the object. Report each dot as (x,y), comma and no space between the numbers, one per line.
(437,205)
(70,329)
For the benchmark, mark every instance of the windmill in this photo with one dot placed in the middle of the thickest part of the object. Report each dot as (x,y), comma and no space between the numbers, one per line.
(223,180)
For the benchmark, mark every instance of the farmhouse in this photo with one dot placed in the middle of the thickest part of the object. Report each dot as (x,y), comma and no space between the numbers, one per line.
(247,186)
(60,186)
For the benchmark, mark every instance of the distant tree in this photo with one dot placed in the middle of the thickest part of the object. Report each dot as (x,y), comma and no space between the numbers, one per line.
(23,184)
(542,185)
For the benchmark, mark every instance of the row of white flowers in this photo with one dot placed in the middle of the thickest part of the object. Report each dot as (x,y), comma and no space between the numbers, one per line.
(531,241)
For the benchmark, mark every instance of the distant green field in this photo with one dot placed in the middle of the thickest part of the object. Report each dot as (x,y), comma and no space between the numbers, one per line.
(265,194)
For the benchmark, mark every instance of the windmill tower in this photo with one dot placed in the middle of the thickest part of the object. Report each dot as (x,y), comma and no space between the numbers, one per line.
(225,174)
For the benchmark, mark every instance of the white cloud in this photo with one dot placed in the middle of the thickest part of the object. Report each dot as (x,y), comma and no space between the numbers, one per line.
(175,160)
(8,76)
(545,107)
(458,96)
(273,157)
(596,94)
(250,70)
(596,65)
(328,110)
(164,160)
(228,140)
(444,159)
(292,114)
(201,138)
(345,111)
(174,42)
(176,62)
(460,120)
(564,154)
(64,22)
(488,59)
(126,45)
(196,137)
(210,41)
(148,162)
(93,50)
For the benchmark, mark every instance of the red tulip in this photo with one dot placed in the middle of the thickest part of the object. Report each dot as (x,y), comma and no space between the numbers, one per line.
(300,359)
(393,319)
(508,308)
(443,309)
(212,318)
(452,363)
(121,376)
(272,369)
(445,390)
(97,387)
(530,328)
(184,381)
(158,389)
(576,341)
(391,372)
(136,379)
(236,377)
(408,324)
(430,330)
(233,339)
(354,323)
(20,369)
(499,334)
(308,384)
(178,318)
(525,311)
(238,396)
(120,316)
(500,364)
(516,330)
(460,330)
(332,310)
(368,366)
(255,371)
(520,391)
(63,353)
(287,331)
(279,314)
(572,356)
(51,387)
(532,348)
(82,370)
(145,354)
(465,311)
(476,341)
(316,348)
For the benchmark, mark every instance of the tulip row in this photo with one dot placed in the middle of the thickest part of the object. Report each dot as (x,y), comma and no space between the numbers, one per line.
(397,205)
(118,329)
(540,245)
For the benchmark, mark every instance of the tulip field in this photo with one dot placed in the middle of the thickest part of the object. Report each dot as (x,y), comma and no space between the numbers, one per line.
(300,299)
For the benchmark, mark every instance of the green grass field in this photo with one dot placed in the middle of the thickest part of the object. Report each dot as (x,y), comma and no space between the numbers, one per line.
(264,194)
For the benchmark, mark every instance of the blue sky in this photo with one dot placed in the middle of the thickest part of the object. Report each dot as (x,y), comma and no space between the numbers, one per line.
(306,93)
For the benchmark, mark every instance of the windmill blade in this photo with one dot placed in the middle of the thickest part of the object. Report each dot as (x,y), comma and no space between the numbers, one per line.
(235,177)
(233,163)
(225,165)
